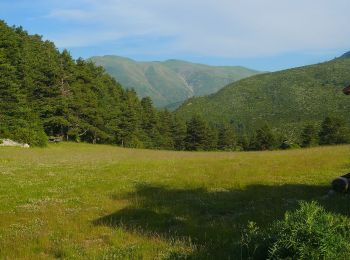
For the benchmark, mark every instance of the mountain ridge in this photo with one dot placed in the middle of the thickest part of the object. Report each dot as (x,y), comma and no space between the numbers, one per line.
(172,81)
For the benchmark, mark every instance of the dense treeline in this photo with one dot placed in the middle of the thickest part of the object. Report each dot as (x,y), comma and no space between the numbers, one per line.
(332,131)
(45,92)
(202,136)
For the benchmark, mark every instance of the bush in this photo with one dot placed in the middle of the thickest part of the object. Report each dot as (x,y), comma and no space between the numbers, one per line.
(33,137)
(23,130)
(307,233)
(288,145)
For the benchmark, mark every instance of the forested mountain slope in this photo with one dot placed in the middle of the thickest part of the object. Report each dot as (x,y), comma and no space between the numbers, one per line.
(285,99)
(45,92)
(171,82)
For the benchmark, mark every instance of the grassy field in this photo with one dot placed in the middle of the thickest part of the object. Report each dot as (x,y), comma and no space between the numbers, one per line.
(79,201)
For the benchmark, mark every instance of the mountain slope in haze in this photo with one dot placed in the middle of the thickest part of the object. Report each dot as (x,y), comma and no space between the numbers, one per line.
(286,99)
(345,55)
(171,82)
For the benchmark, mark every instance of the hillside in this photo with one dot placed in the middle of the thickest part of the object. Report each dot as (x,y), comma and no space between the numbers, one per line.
(171,82)
(45,92)
(285,99)
(81,201)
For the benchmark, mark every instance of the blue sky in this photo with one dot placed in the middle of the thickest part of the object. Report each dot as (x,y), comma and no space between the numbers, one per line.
(261,34)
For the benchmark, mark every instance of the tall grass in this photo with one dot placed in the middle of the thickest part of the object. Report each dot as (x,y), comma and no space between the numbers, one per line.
(89,201)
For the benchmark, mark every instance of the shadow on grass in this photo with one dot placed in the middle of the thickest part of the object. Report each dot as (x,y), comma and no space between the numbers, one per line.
(214,219)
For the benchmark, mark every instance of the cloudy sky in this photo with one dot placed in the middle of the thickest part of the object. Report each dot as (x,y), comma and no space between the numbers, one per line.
(261,34)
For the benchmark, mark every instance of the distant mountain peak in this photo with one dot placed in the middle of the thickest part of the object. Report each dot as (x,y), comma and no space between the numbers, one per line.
(170,82)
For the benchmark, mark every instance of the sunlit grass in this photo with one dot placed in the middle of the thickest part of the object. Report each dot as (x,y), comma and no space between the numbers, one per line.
(85,201)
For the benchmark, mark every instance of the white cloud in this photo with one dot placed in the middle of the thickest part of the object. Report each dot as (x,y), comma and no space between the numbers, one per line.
(233,28)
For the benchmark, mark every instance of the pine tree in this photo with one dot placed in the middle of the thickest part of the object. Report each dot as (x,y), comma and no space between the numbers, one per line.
(212,138)
(165,129)
(263,139)
(130,124)
(179,133)
(149,123)
(309,136)
(333,131)
(227,138)
(197,137)
(17,121)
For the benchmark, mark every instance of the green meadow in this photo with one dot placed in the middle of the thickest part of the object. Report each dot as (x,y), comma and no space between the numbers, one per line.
(80,201)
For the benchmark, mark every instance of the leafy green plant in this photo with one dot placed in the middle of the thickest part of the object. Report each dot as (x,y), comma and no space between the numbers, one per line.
(307,233)
(253,244)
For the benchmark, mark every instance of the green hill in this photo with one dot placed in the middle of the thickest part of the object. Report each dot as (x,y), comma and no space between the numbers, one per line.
(171,82)
(285,99)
